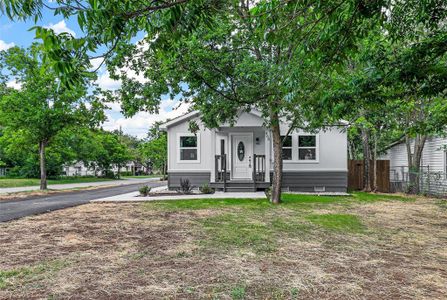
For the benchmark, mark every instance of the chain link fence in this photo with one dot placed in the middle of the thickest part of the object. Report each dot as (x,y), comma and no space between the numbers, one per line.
(430,182)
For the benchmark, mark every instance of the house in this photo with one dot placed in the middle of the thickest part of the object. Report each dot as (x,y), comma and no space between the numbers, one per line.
(239,156)
(433,166)
(79,169)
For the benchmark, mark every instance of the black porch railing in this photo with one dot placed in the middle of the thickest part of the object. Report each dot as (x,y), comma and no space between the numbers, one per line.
(258,169)
(221,170)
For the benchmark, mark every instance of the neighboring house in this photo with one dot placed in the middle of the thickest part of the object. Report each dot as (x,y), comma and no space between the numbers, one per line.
(3,171)
(433,165)
(434,155)
(239,157)
(79,169)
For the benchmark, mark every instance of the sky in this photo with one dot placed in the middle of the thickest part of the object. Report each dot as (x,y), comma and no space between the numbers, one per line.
(18,34)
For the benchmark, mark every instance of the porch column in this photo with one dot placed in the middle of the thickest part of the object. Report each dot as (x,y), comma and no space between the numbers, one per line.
(213,155)
(268,147)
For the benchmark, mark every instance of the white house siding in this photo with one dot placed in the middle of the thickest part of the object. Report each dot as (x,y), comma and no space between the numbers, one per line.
(205,155)
(433,155)
(329,171)
(331,148)
(433,164)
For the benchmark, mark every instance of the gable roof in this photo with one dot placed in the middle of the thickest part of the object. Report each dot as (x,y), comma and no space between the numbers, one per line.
(179,119)
(188,116)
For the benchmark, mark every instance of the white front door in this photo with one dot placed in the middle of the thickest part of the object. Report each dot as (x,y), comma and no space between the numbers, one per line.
(242,156)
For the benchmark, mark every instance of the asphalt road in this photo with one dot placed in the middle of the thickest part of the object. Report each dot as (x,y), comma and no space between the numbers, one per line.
(15,209)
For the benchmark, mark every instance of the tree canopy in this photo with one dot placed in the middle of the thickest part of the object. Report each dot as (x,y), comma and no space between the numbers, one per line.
(41,108)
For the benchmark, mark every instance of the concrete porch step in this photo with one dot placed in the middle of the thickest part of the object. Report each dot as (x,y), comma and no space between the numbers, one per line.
(240,186)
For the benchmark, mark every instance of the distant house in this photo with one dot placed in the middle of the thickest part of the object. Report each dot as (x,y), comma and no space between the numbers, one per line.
(3,171)
(239,157)
(433,165)
(434,155)
(79,169)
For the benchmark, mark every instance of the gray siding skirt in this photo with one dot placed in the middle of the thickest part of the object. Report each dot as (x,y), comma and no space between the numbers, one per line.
(311,181)
(296,181)
(196,179)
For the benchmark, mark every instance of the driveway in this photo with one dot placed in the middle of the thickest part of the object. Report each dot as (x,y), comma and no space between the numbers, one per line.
(15,209)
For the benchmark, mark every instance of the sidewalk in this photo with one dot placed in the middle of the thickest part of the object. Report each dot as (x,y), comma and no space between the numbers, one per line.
(78,185)
(134,196)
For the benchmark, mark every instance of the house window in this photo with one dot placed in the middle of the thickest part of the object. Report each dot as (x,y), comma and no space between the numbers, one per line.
(188,148)
(307,147)
(287,148)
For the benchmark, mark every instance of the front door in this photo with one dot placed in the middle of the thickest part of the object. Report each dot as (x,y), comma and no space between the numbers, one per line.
(242,156)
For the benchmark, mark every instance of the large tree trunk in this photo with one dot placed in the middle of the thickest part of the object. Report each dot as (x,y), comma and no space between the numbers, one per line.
(414,162)
(43,168)
(277,161)
(366,160)
(374,166)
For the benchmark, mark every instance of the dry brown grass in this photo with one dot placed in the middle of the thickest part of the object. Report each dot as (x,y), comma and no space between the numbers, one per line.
(28,194)
(111,251)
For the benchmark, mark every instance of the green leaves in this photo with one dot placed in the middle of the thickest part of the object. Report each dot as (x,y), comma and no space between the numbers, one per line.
(41,107)
(110,24)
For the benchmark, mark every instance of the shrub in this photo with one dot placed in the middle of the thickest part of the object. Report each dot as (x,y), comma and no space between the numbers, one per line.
(126,173)
(109,174)
(144,190)
(206,189)
(185,186)
(268,193)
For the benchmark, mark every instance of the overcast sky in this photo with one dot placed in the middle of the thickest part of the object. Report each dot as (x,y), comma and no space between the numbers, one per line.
(18,34)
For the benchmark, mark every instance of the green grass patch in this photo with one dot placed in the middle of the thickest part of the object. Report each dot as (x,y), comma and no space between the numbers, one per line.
(290,225)
(253,230)
(338,222)
(21,182)
(371,197)
(236,230)
(22,275)
(238,293)
(208,203)
(293,201)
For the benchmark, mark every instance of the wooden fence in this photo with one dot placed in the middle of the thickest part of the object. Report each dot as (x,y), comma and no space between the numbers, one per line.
(355,175)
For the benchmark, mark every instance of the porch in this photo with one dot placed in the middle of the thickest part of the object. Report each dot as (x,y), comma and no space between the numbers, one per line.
(241,160)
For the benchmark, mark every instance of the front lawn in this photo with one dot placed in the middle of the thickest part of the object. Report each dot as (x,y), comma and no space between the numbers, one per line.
(20,182)
(364,246)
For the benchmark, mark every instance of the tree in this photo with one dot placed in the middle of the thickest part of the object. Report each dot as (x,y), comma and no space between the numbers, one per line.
(103,151)
(155,149)
(354,93)
(132,144)
(41,108)
(394,89)
(23,157)
(265,55)
(109,26)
